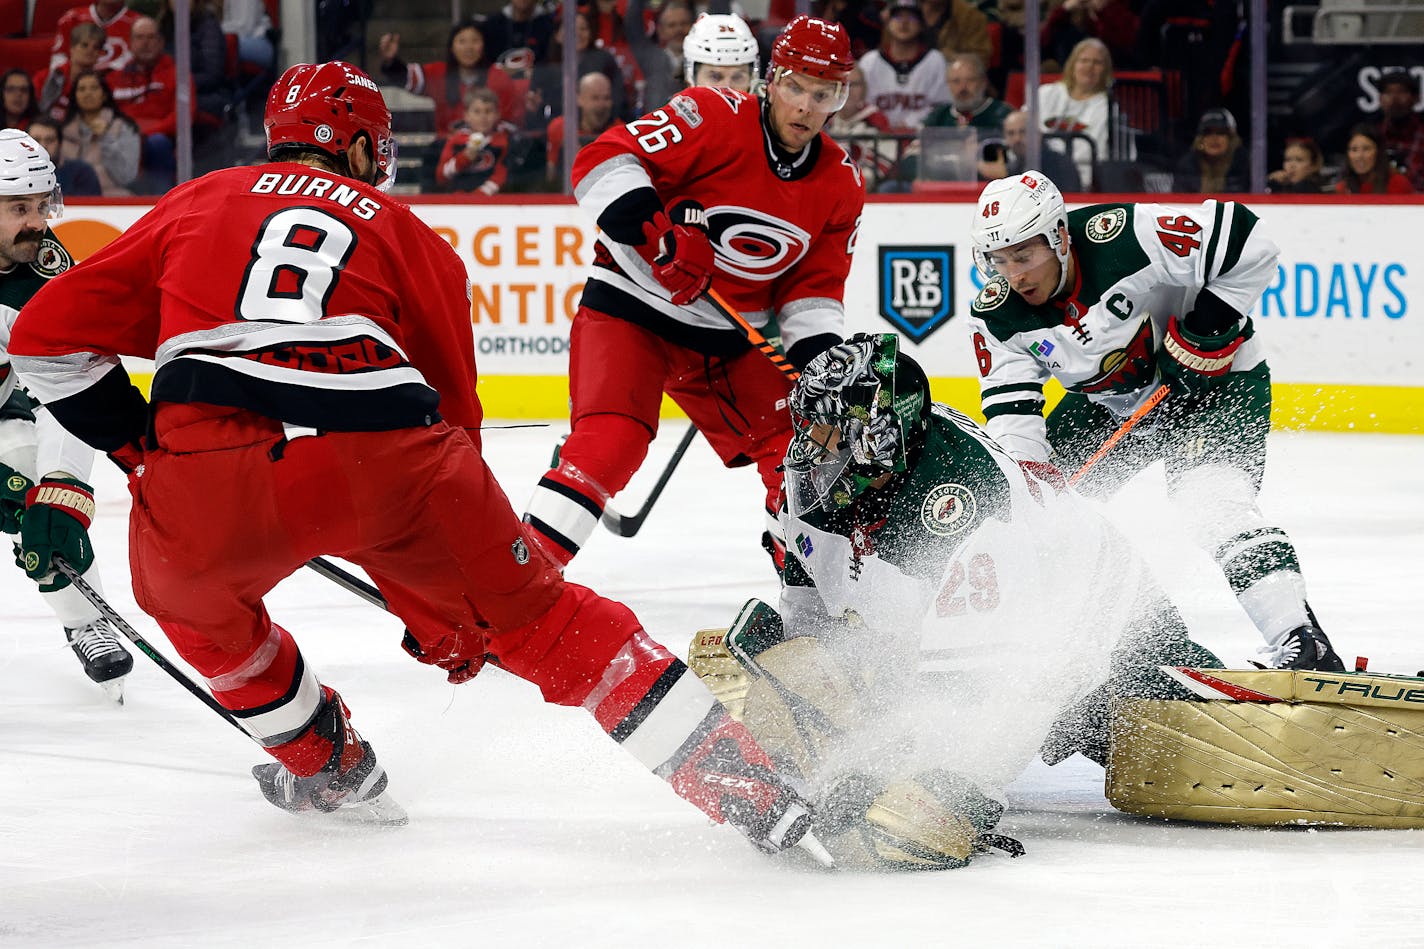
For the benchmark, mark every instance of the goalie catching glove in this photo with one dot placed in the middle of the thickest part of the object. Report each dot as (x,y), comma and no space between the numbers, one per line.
(58,512)
(681,254)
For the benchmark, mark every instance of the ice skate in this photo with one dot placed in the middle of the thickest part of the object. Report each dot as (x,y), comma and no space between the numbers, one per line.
(1308,648)
(104,658)
(352,782)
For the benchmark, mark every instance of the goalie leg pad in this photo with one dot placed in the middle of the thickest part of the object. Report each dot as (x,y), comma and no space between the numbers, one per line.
(799,703)
(1275,762)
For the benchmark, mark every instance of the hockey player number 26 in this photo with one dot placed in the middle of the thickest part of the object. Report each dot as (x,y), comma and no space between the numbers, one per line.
(660,134)
(983,595)
(1177,234)
(295,263)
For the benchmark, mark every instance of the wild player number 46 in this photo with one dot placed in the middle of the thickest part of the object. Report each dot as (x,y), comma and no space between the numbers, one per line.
(1176,234)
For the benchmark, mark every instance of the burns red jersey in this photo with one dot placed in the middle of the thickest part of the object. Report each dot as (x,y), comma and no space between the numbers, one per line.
(783,226)
(298,294)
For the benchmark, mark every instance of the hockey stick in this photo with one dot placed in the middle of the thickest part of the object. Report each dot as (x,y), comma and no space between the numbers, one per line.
(753,335)
(350,581)
(626,525)
(110,614)
(1131,422)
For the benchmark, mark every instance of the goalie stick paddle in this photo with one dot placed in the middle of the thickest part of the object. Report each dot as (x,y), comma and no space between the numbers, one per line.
(626,525)
(110,614)
(1128,425)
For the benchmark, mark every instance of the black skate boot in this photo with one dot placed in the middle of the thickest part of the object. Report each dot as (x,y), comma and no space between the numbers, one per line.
(104,658)
(1308,648)
(351,781)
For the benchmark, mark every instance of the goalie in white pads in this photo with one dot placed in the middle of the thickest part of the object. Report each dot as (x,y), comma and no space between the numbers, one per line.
(944,615)
(1114,300)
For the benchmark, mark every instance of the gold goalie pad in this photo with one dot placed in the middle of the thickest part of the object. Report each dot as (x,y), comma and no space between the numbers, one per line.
(1267,747)
(718,669)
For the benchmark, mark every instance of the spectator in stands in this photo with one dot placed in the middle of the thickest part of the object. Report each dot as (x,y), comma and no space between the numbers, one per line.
(147,92)
(1002,159)
(863,131)
(1302,172)
(20,103)
(77,179)
(1367,167)
(861,18)
(956,26)
(595,115)
(521,24)
(466,68)
(113,19)
(1009,15)
(1401,127)
(1111,21)
(474,157)
(904,78)
(1216,163)
(1078,103)
(546,88)
(249,21)
(969,101)
(96,131)
(208,48)
(56,84)
(659,57)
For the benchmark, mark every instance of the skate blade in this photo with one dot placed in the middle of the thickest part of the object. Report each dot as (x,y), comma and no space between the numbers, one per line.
(817,851)
(381,811)
(114,689)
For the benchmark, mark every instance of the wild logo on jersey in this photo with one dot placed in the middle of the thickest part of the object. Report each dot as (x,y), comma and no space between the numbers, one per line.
(52,259)
(1127,369)
(916,288)
(948,509)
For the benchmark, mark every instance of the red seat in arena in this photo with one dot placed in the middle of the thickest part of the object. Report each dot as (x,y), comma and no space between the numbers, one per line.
(30,53)
(12,19)
(45,19)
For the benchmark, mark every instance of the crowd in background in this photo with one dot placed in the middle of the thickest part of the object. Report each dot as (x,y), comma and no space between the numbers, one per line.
(938,95)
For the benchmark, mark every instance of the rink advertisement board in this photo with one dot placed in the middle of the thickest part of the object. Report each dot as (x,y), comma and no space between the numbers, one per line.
(1343,322)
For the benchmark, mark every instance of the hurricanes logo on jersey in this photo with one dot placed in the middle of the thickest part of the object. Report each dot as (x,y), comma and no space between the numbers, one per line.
(948,509)
(754,245)
(52,259)
(1103,227)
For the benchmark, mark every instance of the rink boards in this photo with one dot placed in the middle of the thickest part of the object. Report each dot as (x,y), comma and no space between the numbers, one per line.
(1342,322)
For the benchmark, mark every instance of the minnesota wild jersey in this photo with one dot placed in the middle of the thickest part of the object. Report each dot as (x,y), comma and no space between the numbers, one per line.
(935,584)
(17,285)
(1136,266)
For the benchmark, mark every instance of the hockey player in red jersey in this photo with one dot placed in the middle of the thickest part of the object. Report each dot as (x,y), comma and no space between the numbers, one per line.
(718,187)
(314,393)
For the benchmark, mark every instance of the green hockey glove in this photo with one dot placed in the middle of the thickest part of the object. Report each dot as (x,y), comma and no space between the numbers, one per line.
(58,512)
(13,488)
(1192,362)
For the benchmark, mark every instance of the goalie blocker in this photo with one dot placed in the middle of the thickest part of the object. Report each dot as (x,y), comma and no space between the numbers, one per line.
(1270,747)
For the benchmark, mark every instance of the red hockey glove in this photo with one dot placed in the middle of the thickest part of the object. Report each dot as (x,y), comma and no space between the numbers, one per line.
(462,655)
(1047,472)
(1193,362)
(58,512)
(683,259)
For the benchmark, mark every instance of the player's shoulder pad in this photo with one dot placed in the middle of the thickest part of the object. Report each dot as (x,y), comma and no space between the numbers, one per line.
(696,104)
(52,259)
(1100,223)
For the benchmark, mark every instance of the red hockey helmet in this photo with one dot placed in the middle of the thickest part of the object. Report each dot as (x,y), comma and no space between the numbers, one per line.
(817,48)
(325,107)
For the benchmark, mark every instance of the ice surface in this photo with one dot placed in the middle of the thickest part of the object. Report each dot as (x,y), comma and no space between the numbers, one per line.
(140,826)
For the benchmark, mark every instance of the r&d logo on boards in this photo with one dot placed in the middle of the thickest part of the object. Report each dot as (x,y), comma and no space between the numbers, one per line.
(916,287)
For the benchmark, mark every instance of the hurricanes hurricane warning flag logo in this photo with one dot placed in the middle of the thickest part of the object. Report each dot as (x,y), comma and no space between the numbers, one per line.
(916,288)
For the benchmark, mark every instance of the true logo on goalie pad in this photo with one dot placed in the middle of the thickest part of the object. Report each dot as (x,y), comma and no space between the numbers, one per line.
(948,509)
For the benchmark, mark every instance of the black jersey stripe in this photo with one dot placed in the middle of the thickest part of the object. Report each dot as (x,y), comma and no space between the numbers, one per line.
(573,494)
(1015,387)
(655,694)
(1013,408)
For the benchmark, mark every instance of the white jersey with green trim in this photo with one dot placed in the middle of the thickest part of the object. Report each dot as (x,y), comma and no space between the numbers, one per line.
(1137,265)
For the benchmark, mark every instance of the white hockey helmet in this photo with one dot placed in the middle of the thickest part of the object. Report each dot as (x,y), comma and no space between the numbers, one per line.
(719,40)
(1015,209)
(25,169)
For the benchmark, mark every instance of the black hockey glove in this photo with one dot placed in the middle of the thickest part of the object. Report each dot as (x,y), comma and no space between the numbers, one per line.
(683,258)
(13,488)
(58,512)
(1192,362)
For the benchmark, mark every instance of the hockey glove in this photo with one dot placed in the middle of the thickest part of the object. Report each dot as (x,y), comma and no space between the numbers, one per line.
(13,488)
(452,653)
(58,512)
(683,257)
(1193,362)
(1045,471)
